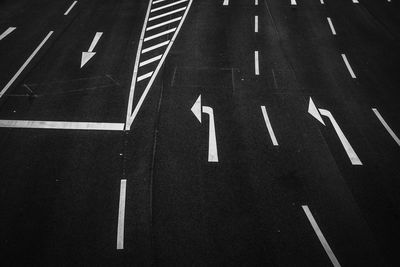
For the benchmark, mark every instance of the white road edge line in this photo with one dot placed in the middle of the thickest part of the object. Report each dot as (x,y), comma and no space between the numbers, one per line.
(226,3)
(70,8)
(7,32)
(269,126)
(121,215)
(331,25)
(62,125)
(255,23)
(8,85)
(321,236)
(348,66)
(256,63)
(390,131)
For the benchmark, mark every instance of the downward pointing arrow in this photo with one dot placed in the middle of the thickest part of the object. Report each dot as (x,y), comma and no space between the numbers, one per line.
(86,56)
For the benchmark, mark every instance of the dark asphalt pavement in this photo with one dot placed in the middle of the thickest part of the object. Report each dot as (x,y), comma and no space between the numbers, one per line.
(60,188)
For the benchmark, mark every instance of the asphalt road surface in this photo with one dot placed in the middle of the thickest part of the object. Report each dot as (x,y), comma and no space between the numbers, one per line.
(199,133)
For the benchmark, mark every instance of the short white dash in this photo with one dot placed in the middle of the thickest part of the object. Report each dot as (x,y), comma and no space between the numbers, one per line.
(226,3)
(321,237)
(146,62)
(70,8)
(151,48)
(390,131)
(322,2)
(355,1)
(159,34)
(348,66)
(256,63)
(269,126)
(121,215)
(7,32)
(167,14)
(331,25)
(256,24)
(293,2)
(256,2)
(163,23)
(145,76)
(168,5)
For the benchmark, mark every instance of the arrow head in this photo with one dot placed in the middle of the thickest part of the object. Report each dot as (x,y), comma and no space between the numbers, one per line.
(312,109)
(196,108)
(86,56)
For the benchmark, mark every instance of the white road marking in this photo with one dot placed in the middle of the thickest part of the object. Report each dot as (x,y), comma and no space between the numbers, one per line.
(121,215)
(212,139)
(145,76)
(226,3)
(67,125)
(159,34)
(256,24)
(95,41)
(163,23)
(390,131)
(8,85)
(256,63)
(158,1)
(269,126)
(312,109)
(196,108)
(321,236)
(168,5)
(331,25)
(70,8)
(155,47)
(167,14)
(322,2)
(256,2)
(348,66)
(7,32)
(355,1)
(349,149)
(144,63)
(293,2)
(86,56)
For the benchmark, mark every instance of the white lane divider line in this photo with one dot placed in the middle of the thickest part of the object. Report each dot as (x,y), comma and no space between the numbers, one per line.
(355,1)
(390,131)
(146,62)
(70,8)
(226,3)
(121,215)
(167,14)
(321,236)
(151,48)
(256,2)
(348,66)
(255,23)
(159,34)
(322,2)
(9,84)
(256,63)
(293,2)
(269,126)
(145,76)
(66,125)
(163,23)
(331,25)
(7,32)
(168,5)
(86,56)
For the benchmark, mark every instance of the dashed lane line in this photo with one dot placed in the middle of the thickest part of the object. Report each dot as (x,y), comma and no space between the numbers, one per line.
(226,3)
(293,2)
(70,8)
(256,64)
(256,24)
(390,131)
(121,215)
(331,26)
(269,126)
(348,66)
(7,32)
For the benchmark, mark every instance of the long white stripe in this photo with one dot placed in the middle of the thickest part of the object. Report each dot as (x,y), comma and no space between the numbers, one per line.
(390,131)
(145,76)
(121,215)
(269,126)
(66,125)
(348,66)
(168,5)
(159,34)
(226,3)
(321,236)
(7,32)
(144,63)
(8,85)
(95,41)
(70,8)
(148,49)
(256,24)
(331,25)
(167,14)
(163,23)
(256,63)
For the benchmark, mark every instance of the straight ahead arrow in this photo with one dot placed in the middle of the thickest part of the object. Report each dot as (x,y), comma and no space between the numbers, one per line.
(86,56)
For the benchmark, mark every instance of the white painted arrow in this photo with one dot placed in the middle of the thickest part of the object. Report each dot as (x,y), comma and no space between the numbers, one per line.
(7,32)
(312,109)
(197,110)
(86,56)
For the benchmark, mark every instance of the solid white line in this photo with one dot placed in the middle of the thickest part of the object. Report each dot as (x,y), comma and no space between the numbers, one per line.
(121,215)
(67,125)
(167,14)
(256,24)
(390,131)
(70,8)
(168,5)
(321,236)
(348,66)
(163,23)
(293,2)
(269,126)
(25,64)
(155,47)
(144,63)
(158,1)
(145,76)
(7,32)
(256,64)
(212,138)
(331,25)
(226,3)
(95,41)
(159,34)
(349,149)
